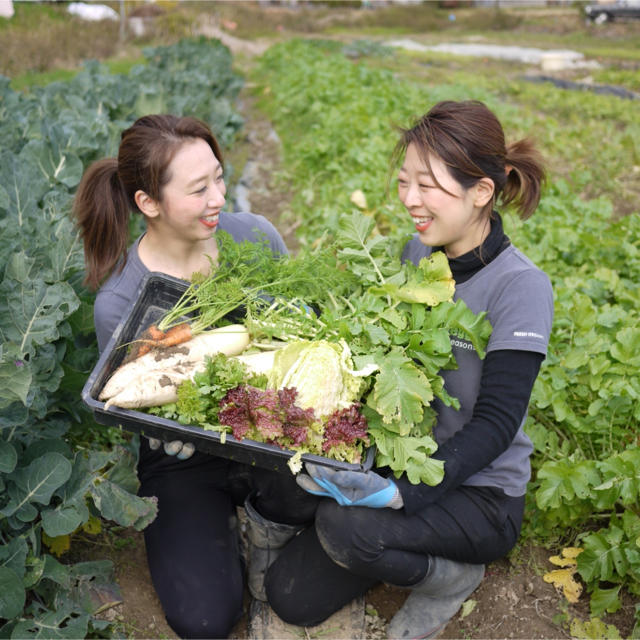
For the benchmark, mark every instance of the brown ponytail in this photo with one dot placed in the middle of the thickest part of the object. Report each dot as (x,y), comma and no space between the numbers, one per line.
(469,139)
(525,176)
(101,208)
(106,194)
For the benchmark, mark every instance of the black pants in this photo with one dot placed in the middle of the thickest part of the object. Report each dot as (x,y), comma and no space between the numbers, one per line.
(192,545)
(351,549)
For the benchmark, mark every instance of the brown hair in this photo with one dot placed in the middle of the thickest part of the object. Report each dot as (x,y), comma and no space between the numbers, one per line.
(469,139)
(106,194)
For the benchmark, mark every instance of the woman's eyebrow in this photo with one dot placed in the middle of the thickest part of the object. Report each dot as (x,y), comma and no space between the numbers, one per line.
(204,176)
(195,181)
(427,173)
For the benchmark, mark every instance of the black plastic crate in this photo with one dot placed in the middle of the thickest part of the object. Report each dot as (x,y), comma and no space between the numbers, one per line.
(157,294)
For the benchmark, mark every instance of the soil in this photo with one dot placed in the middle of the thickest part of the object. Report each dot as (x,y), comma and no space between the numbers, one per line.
(513,601)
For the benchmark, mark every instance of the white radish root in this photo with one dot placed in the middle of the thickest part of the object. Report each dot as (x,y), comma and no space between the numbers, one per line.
(230,340)
(153,388)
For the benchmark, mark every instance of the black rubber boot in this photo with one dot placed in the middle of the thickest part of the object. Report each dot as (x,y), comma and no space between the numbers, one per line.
(266,539)
(435,599)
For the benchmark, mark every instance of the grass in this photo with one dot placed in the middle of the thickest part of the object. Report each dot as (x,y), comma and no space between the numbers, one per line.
(42,39)
(26,13)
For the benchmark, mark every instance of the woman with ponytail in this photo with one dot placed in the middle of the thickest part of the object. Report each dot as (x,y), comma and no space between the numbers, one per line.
(170,170)
(435,540)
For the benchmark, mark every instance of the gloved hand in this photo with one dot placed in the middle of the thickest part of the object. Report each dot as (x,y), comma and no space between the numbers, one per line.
(177,448)
(351,488)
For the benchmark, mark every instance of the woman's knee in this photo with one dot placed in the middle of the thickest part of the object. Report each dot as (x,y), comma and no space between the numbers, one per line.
(348,534)
(202,621)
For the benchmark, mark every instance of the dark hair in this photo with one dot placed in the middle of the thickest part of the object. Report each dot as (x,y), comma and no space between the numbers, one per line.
(469,139)
(106,194)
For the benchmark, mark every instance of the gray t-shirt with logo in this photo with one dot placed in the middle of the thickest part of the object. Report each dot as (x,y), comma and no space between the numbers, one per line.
(121,288)
(518,299)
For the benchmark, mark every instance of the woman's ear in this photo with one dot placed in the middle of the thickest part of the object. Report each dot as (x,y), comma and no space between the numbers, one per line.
(485,189)
(147,205)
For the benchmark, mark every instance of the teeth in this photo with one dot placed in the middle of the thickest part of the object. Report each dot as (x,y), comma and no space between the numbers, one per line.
(421,220)
(212,217)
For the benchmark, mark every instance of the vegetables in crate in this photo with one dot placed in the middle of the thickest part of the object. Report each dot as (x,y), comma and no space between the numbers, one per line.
(322,374)
(385,330)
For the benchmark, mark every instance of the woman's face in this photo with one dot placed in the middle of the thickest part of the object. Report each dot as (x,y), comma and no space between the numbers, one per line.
(451,220)
(192,199)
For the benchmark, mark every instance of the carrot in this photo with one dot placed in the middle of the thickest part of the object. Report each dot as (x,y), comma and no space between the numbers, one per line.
(176,335)
(154,333)
(154,338)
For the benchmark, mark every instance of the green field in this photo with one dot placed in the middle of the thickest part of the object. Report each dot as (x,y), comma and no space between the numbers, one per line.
(333,95)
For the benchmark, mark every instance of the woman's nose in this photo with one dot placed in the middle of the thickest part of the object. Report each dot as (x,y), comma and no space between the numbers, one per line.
(411,197)
(216,198)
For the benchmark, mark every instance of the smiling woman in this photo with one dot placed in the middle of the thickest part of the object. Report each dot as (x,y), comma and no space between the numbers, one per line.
(436,538)
(169,169)
(181,225)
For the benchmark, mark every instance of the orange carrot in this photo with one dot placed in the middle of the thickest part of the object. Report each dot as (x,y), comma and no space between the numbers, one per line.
(154,333)
(176,335)
(154,338)
(147,341)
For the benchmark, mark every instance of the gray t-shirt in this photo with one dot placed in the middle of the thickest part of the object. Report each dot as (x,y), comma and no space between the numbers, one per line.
(518,299)
(121,288)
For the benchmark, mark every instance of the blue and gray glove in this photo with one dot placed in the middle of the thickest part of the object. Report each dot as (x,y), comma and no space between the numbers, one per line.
(351,488)
(177,448)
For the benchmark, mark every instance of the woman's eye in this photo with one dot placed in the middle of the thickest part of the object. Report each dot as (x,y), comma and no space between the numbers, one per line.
(220,178)
(201,190)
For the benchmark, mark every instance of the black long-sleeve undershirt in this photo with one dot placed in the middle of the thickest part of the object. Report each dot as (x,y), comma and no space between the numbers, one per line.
(505,389)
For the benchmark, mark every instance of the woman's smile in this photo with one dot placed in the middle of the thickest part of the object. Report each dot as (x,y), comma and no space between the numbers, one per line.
(210,221)
(421,223)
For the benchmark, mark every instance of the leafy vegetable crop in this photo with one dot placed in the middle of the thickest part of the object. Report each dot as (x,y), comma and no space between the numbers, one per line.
(335,118)
(393,319)
(49,487)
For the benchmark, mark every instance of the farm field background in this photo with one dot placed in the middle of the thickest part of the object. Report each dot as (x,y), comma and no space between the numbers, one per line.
(305,101)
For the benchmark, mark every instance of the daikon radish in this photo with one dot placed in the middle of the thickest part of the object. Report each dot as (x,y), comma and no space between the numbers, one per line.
(258,363)
(127,374)
(230,340)
(153,388)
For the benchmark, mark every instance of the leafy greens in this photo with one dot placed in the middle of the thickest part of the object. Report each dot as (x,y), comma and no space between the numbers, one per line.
(394,318)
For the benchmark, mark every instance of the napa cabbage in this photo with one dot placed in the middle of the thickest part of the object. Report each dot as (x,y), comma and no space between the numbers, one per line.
(323,374)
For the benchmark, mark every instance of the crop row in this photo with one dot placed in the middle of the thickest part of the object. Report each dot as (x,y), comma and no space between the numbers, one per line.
(54,480)
(336,119)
